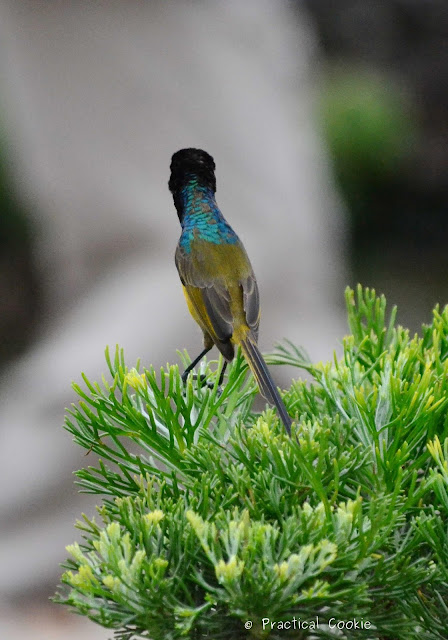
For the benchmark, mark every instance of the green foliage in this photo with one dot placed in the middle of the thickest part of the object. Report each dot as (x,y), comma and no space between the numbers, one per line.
(370,131)
(366,119)
(214,517)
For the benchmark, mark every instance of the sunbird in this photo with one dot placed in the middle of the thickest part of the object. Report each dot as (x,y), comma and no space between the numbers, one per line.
(216,274)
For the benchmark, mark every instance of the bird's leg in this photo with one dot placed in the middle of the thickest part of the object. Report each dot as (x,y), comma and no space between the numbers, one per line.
(194,363)
(221,375)
(211,385)
(202,378)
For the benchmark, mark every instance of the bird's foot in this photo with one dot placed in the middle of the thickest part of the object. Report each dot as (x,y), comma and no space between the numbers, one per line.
(185,375)
(203,380)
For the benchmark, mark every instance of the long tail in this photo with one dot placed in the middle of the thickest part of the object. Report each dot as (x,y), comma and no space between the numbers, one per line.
(263,377)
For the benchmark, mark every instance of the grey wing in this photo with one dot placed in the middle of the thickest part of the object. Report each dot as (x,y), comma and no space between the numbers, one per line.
(203,292)
(188,274)
(217,303)
(251,301)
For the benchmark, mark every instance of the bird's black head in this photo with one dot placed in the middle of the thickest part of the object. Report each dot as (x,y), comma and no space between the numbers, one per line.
(191,163)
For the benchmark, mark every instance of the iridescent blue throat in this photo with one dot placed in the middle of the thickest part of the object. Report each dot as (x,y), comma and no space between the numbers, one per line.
(202,218)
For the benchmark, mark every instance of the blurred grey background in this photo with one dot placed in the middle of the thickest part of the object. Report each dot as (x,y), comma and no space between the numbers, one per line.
(328,124)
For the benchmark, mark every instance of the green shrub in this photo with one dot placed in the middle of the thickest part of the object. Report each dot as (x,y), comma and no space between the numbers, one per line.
(221,522)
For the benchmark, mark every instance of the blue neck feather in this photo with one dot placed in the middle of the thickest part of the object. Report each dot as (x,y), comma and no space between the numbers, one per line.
(201,217)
